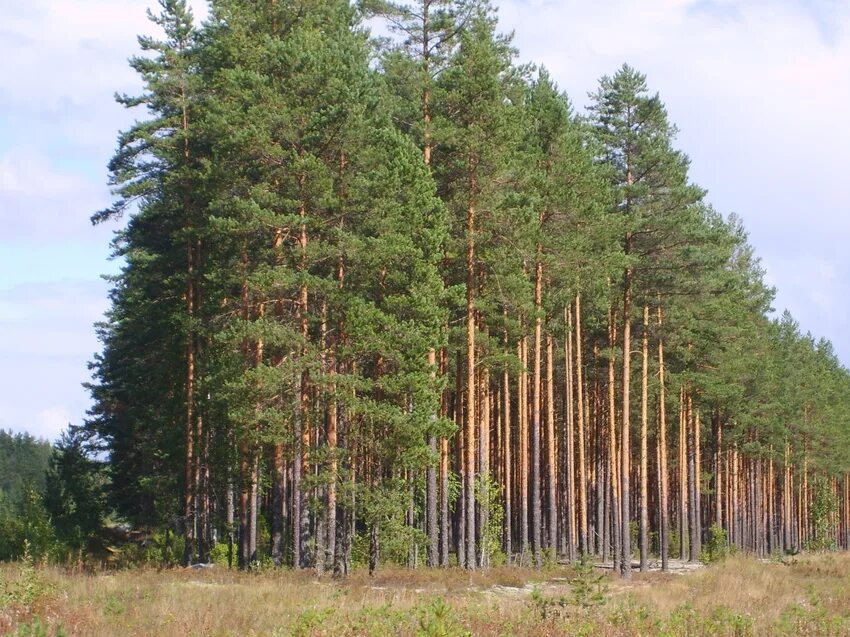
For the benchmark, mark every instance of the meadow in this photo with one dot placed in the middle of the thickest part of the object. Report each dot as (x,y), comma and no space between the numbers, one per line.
(802,595)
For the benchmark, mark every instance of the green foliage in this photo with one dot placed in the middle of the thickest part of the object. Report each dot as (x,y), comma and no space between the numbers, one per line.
(674,541)
(308,621)
(589,588)
(811,618)
(39,628)
(685,620)
(75,495)
(823,509)
(491,535)
(27,526)
(717,547)
(23,461)
(284,229)
(28,587)
(436,619)
(221,553)
(160,549)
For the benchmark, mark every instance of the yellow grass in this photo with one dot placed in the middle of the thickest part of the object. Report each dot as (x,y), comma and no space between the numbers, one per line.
(807,595)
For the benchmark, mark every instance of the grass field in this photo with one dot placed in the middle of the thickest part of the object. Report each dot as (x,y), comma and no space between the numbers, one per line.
(805,595)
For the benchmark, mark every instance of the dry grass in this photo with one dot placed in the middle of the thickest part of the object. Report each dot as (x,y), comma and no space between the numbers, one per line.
(802,596)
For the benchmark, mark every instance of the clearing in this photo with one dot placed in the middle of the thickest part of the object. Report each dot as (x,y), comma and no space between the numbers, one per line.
(804,595)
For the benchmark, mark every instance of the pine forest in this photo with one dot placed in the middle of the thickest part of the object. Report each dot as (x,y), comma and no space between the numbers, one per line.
(389,297)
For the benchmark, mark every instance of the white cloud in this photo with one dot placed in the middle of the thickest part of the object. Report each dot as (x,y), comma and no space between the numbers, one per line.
(49,423)
(39,201)
(46,341)
(64,61)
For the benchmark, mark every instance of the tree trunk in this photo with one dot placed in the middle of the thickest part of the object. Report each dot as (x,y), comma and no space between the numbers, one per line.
(536,513)
(683,479)
(718,474)
(582,466)
(664,531)
(508,449)
(569,404)
(644,456)
(431,481)
(333,465)
(613,461)
(278,503)
(552,468)
(471,413)
(244,503)
(484,467)
(625,443)
(693,510)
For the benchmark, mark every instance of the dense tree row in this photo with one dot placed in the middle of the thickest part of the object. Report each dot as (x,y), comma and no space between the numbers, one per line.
(52,497)
(397,299)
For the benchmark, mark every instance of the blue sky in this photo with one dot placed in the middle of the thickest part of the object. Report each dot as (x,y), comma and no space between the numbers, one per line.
(759,90)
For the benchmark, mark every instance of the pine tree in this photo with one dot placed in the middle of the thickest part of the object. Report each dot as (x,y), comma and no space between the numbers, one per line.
(652,193)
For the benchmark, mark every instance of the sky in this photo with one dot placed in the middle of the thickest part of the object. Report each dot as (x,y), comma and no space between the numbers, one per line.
(758,89)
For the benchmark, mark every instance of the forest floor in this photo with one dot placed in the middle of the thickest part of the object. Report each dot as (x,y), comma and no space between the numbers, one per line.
(803,595)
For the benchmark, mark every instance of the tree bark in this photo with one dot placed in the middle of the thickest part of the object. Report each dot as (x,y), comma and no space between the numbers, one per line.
(664,531)
(625,443)
(644,457)
(469,472)
(582,466)
(431,479)
(613,460)
(552,468)
(508,449)
(536,513)
(523,451)
(569,407)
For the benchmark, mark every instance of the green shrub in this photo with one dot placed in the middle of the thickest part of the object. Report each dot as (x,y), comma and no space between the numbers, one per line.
(716,548)
(588,587)
(436,619)
(220,554)
(28,587)
(823,508)
(37,628)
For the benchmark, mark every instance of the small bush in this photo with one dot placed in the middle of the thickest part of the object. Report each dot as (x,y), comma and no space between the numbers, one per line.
(589,588)
(29,586)
(220,553)
(437,619)
(37,628)
(717,546)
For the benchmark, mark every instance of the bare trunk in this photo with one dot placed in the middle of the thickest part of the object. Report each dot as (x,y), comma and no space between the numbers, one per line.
(613,460)
(582,466)
(664,531)
(625,443)
(683,479)
(508,449)
(431,482)
(644,455)
(552,469)
(471,413)
(523,451)
(536,513)
(570,490)
(278,503)
(484,468)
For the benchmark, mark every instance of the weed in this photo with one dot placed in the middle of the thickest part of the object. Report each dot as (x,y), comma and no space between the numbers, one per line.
(28,587)
(437,619)
(589,588)
(38,628)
